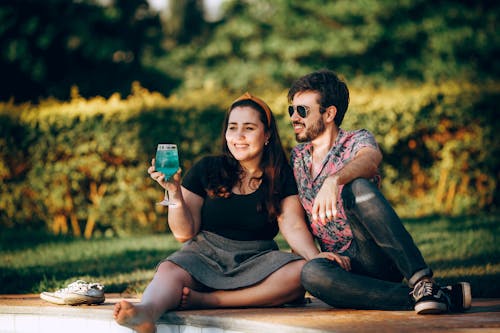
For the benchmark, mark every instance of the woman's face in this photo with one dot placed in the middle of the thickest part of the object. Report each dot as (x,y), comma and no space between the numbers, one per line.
(245,134)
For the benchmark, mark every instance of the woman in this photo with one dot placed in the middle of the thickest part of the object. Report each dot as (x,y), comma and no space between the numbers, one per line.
(228,210)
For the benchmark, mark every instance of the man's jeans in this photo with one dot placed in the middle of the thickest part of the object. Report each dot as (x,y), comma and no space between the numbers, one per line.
(382,253)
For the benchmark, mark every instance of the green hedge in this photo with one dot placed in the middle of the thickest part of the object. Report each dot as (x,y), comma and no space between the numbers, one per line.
(80,166)
(440,144)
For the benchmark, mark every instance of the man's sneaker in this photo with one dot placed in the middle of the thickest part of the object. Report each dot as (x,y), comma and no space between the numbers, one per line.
(429,298)
(78,292)
(459,295)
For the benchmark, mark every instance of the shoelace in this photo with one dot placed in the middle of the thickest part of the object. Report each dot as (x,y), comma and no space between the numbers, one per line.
(422,289)
(80,285)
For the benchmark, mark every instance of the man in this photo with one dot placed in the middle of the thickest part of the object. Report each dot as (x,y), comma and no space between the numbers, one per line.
(337,178)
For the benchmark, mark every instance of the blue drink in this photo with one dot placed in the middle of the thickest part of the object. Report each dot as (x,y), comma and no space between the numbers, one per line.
(166,162)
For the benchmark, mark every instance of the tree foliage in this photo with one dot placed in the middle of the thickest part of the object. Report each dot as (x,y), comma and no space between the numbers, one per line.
(48,46)
(260,44)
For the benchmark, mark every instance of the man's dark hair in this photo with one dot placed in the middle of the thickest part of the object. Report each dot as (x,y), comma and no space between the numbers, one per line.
(332,91)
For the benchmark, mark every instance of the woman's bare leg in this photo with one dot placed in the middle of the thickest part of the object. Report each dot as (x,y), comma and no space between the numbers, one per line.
(278,288)
(163,293)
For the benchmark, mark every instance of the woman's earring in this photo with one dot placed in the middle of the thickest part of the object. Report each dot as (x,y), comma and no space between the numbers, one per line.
(266,143)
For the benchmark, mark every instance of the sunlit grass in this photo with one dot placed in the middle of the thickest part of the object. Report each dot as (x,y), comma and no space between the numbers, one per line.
(122,264)
(464,249)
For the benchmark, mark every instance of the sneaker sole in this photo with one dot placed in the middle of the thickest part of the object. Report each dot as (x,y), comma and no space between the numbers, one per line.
(466,295)
(72,300)
(52,299)
(430,307)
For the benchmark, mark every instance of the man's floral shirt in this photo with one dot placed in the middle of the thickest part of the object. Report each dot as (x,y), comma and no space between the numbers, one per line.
(335,235)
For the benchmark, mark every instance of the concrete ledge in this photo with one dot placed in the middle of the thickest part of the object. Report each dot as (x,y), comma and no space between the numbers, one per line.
(28,314)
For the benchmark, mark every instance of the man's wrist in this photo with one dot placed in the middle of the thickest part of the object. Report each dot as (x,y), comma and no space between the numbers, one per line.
(334,179)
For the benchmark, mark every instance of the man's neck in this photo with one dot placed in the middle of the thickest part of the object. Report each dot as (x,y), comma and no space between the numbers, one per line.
(324,142)
(321,146)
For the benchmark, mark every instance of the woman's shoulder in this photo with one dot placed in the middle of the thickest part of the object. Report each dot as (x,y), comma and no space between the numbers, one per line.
(208,165)
(209,160)
(286,181)
(286,169)
(198,176)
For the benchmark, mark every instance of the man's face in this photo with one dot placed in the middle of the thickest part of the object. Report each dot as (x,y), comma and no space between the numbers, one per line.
(312,125)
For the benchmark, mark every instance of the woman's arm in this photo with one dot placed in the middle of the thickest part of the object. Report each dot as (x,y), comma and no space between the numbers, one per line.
(184,219)
(293,226)
(184,212)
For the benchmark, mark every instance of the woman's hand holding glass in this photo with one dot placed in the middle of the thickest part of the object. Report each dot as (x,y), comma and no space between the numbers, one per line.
(172,185)
(166,162)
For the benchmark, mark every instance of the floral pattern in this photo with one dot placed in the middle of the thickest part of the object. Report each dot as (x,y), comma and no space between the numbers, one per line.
(335,235)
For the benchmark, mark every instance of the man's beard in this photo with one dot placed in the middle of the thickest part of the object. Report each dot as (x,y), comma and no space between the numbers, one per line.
(312,132)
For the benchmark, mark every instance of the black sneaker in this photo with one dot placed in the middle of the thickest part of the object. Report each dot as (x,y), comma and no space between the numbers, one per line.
(459,295)
(429,298)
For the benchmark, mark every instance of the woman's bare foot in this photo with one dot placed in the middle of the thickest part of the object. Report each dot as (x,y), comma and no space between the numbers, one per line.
(192,299)
(134,317)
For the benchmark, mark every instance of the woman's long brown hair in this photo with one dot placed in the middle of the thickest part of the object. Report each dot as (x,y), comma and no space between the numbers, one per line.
(227,175)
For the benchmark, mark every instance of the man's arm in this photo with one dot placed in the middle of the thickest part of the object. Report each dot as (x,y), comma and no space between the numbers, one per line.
(293,227)
(363,165)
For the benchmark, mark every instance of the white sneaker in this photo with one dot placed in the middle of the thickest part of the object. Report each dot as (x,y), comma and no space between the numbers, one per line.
(78,292)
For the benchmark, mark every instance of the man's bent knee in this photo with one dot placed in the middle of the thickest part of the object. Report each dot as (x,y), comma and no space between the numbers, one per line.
(317,271)
(358,191)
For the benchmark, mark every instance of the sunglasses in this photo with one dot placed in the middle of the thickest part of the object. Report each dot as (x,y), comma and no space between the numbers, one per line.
(302,110)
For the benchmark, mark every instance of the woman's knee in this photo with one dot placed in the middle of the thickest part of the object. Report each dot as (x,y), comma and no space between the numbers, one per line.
(292,271)
(166,267)
(172,271)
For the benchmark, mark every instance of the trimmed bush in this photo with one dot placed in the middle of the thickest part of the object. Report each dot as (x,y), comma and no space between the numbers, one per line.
(80,166)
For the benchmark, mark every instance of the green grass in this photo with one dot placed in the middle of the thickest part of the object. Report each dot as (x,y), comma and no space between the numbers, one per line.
(457,249)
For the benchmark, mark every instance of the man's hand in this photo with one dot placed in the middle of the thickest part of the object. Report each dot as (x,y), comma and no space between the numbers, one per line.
(363,165)
(343,261)
(325,204)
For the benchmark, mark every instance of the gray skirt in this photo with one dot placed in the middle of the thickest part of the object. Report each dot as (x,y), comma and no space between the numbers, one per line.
(221,263)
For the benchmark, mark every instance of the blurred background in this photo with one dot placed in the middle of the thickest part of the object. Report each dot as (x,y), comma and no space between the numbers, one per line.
(89,87)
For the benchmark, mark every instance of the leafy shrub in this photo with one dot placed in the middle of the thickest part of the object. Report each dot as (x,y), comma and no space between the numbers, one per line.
(80,166)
